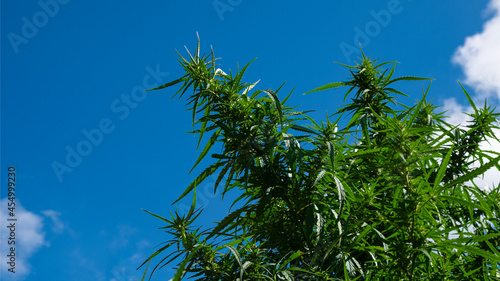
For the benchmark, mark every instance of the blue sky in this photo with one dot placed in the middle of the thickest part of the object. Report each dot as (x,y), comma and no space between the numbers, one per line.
(91,149)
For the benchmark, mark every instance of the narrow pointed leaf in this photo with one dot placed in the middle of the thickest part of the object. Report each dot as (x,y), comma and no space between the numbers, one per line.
(276,102)
(206,173)
(469,98)
(408,78)
(303,129)
(291,258)
(180,272)
(169,84)
(157,216)
(228,220)
(328,86)
(442,168)
(207,148)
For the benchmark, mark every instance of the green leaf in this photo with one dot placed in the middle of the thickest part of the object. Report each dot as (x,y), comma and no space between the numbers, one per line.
(303,129)
(341,191)
(276,102)
(328,86)
(395,92)
(416,111)
(331,154)
(145,272)
(169,84)
(207,172)
(222,174)
(239,75)
(492,248)
(203,128)
(193,205)
(197,51)
(291,258)
(228,220)
(475,251)
(180,272)
(442,169)
(235,253)
(408,78)
(346,272)
(364,153)
(309,221)
(463,202)
(231,243)
(207,148)
(154,255)
(472,174)
(319,177)
(469,240)
(388,77)
(157,216)
(469,98)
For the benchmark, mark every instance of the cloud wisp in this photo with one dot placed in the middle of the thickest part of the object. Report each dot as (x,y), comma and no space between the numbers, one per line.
(29,238)
(479,56)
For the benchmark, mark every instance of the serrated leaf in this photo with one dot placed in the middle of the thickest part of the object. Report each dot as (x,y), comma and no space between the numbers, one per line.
(207,172)
(468,240)
(442,169)
(155,254)
(303,129)
(476,251)
(180,271)
(388,77)
(228,220)
(471,102)
(291,258)
(230,243)
(319,177)
(408,78)
(235,253)
(473,174)
(331,154)
(239,75)
(193,205)
(168,84)
(203,128)
(222,174)
(328,86)
(207,148)
(276,102)
(157,216)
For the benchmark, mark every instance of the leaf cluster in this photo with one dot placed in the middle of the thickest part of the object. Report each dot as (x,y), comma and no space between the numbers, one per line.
(391,195)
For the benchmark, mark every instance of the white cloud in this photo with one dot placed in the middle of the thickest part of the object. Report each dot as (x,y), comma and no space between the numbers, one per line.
(57,225)
(85,268)
(138,257)
(121,262)
(122,239)
(456,112)
(122,273)
(479,57)
(29,238)
(125,270)
(125,252)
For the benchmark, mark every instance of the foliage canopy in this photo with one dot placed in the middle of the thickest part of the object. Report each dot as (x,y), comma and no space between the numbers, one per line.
(390,195)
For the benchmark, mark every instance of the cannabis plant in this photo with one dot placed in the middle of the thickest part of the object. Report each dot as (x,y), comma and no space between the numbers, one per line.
(377,191)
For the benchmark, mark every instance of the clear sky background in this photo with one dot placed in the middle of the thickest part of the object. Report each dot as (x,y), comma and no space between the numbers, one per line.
(91,149)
